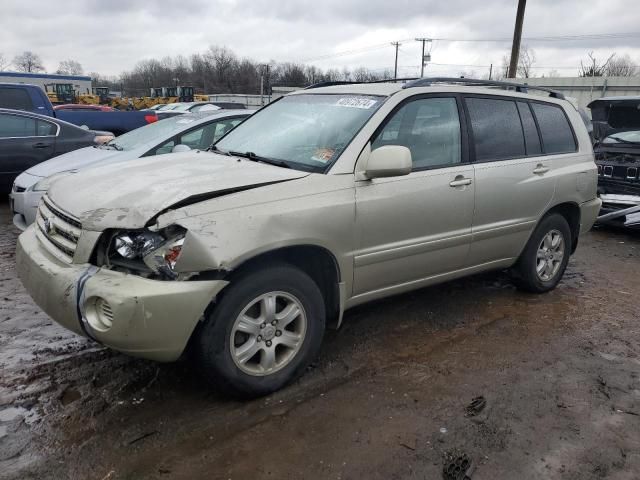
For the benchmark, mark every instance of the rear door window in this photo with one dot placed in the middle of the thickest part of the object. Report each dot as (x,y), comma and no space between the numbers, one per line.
(15,98)
(531,137)
(497,130)
(16,126)
(557,136)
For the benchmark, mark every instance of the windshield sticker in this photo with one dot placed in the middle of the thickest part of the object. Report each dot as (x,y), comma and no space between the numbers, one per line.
(185,120)
(355,102)
(323,155)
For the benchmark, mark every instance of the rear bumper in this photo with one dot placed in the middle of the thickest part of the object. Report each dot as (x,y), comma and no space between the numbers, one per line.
(588,214)
(149,318)
(620,210)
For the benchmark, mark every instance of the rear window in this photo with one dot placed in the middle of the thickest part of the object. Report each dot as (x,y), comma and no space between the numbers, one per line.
(557,136)
(497,130)
(15,98)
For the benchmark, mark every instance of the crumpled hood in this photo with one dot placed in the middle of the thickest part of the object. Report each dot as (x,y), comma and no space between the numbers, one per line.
(82,158)
(614,115)
(128,195)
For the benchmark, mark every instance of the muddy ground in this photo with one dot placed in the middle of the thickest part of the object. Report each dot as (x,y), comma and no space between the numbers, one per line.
(559,372)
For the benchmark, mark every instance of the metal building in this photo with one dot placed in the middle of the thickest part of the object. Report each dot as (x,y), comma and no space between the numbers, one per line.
(81,83)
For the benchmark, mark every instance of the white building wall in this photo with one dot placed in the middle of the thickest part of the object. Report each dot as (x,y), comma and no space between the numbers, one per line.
(586,89)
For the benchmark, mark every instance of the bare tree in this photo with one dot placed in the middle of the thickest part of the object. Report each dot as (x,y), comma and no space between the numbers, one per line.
(28,62)
(4,63)
(501,72)
(526,59)
(219,70)
(594,68)
(621,67)
(70,67)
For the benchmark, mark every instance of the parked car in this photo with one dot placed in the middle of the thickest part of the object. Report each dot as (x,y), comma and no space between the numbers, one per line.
(194,107)
(193,131)
(27,139)
(76,107)
(616,123)
(31,98)
(325,199)
(157,106)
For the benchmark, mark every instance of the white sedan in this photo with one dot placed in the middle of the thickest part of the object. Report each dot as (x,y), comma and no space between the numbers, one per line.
(190,131)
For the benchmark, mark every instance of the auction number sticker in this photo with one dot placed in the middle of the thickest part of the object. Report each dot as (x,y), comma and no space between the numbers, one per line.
(356,102)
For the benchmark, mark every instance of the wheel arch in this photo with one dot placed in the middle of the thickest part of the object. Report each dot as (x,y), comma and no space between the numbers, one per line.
(571,213)
(316,261)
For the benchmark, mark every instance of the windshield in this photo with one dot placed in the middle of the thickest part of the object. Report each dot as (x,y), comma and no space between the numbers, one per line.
(632,136)
(183,107)
(307,131)
(157,131)
(205,107)
(169,106)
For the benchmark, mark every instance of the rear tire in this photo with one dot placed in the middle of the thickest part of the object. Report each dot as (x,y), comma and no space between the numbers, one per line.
(545,257)
(264,331)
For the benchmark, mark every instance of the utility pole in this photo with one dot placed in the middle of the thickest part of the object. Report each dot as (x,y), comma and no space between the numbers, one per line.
(490,70)
(395,69)
(423,59)
(263,70)
(517,35)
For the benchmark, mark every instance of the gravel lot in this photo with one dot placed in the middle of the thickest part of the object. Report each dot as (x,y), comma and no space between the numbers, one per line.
(387,399)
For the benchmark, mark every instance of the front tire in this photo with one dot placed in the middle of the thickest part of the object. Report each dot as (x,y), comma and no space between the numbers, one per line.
(545,257)
(265,330)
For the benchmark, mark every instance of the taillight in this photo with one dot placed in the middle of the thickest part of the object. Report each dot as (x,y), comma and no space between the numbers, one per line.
(151,118)
(102,139)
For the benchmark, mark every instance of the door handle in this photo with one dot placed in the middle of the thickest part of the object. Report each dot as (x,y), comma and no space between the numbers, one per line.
(460,181)
(540,169)
(41,145)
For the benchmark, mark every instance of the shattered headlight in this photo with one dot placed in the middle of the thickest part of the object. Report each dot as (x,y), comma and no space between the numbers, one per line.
(156,251)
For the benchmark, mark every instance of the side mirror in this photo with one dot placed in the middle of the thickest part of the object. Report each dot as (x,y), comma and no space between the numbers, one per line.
(180,148)
(389,161)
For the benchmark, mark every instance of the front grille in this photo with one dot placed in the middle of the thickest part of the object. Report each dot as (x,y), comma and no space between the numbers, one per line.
(18,189)
(58,231)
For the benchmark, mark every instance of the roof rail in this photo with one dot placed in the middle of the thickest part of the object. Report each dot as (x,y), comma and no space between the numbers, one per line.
(518,87)
(343,82)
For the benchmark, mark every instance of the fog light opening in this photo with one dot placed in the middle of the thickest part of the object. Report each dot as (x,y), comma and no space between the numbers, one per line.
(99,314)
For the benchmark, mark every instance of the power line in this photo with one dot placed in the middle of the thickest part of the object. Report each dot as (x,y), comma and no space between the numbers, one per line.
(557,38)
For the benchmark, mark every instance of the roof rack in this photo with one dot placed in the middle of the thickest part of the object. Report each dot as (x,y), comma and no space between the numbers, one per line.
(342,82)
(518,87)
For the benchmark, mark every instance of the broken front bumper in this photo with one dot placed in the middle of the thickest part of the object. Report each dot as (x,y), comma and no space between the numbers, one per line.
(620,210)
(146,318)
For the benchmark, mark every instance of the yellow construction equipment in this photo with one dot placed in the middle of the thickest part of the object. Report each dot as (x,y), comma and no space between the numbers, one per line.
(60,93)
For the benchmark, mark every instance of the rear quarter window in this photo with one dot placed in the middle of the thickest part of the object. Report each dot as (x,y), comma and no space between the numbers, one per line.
(45,129)
(15,98)
(557,136)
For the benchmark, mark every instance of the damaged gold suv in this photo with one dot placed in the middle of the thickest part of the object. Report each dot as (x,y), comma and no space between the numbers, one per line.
(325,199)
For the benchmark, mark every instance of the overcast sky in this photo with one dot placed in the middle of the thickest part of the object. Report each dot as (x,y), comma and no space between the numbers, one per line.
(111,36)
